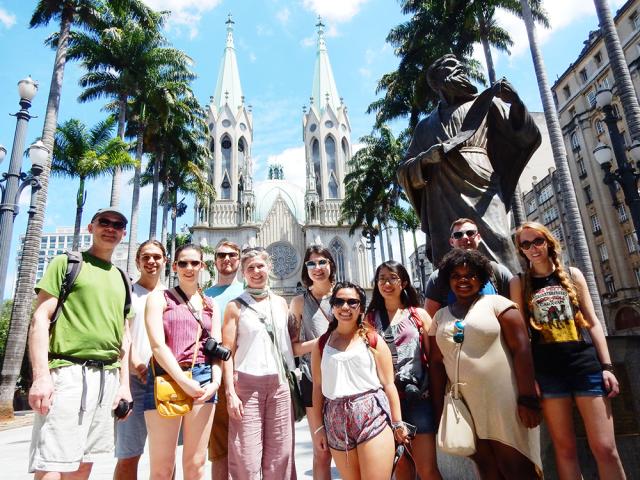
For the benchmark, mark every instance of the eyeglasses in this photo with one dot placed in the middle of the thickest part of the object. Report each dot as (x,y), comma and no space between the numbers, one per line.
(223,255)
(320,263)
(185,263)
(458,333)
(253,249)
(115,224)
(538,242)
(469,233)
(390,280)
(339,302)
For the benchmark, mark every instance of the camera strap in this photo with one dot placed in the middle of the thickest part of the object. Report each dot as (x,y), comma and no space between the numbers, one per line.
(196,314)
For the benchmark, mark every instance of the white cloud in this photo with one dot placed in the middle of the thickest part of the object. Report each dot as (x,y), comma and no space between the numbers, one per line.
(6,18)
(293,164)
(364,72)
(252,57)
(334,10)
(283,15)
(184,13)
(308,41)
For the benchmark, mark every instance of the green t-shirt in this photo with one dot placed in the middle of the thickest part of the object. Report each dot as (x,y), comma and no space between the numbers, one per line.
(91,321)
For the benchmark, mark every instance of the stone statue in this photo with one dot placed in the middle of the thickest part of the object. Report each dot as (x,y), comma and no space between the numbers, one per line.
(465,160)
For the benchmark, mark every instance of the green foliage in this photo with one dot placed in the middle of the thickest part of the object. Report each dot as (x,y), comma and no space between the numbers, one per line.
(5,321)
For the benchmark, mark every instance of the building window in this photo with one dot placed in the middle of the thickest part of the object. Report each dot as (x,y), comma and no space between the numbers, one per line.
(622,213)
(315,156)
(595,224)
(337,251)
(636,272)
(567,92)
(572,112)
(604,82)
(545,194)
(550,215)
(575,142)
(597,58)
(610,284)
(616,113)
(583,75)
(582,171)
(599,127)
(634,19)
(591,97)
(531,205)
(604,252)
(587,194)
(557,232)
(632,242)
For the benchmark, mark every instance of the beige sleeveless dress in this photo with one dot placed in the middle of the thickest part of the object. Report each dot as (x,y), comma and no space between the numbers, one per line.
(486,372)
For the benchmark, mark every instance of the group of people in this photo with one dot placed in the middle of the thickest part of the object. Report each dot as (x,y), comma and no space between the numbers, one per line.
(373,377)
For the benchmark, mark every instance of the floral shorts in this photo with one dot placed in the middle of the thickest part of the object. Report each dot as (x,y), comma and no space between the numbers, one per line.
(350,421)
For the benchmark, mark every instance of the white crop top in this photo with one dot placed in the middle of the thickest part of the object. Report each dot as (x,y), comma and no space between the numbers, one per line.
(350,372)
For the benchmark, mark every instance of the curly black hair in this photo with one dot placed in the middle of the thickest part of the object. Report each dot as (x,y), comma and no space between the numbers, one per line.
(475,261)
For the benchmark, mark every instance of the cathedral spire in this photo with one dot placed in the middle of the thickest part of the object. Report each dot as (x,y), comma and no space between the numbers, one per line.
(324,91)
(228,88)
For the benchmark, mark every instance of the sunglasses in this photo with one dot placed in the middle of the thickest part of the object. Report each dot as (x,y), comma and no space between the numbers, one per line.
(469,233)
(538,242)
(458,333)
(339,302)
(185,263)
(320,263)
(223,255)
(253,249)
(115,224)
(389,280)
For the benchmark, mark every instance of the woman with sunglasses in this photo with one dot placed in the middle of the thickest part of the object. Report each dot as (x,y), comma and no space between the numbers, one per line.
(570,353)
(481,341)
(309,316)
(175,320)
(394,313)
(258,398)
(355,401)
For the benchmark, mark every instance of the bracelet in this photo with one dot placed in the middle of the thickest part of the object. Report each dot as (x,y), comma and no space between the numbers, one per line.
(397,425)
(529,401)
(315,432)
(607,367)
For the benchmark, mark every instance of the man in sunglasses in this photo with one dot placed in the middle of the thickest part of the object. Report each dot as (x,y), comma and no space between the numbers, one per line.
(464,234)
(79,355)
(226,289)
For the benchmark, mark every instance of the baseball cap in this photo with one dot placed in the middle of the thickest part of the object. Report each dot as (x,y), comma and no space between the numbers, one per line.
(111,210)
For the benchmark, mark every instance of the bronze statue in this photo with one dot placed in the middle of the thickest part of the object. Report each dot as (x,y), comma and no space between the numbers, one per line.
(465,160)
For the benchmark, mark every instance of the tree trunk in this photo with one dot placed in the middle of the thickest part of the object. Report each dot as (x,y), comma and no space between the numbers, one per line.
(163,236)
(373,256)
(482,24)
(382,255)
(154,194)
(23,298)
(135,206)
(403,255)
(80,199)
(117,172)
(560,157)
(174,223)
(387,232)
(620,69)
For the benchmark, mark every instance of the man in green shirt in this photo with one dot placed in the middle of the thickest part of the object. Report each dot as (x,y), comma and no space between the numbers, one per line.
(80,364)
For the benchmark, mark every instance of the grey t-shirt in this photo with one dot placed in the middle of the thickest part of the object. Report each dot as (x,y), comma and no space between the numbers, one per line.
(315,321)
(438,289)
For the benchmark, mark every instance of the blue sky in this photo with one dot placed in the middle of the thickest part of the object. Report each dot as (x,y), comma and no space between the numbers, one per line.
(275,46)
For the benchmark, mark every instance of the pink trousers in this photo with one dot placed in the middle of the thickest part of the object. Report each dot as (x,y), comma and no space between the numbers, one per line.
(261,444)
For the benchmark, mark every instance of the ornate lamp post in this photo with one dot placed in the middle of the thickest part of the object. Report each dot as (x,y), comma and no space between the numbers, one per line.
(625,175)
(14,180)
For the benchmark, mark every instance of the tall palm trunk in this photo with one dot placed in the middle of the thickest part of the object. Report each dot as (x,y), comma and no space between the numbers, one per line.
(620,69)
(117,172)
(81,197)
(23,298)
(154,194)
(486,47)
(387,232)
(403,255)
(135,206)
(163,235)
(174,225)
(382,255)
(373,256)
(560,156)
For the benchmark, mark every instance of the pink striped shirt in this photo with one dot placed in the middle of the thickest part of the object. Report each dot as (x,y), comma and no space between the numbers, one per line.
(180,329)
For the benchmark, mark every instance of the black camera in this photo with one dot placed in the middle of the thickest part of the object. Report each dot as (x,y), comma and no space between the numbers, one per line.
(213,350)
(409,385)
(123,408)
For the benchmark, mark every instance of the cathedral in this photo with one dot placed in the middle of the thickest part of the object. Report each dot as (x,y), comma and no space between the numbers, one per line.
(278,215)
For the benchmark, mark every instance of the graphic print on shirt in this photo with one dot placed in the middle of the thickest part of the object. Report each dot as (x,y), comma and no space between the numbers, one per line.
(553,315)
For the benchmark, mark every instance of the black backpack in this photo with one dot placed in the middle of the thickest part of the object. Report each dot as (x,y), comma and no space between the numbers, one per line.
(74,264)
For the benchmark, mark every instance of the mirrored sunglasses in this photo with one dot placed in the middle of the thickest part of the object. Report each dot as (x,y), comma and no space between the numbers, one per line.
(469,233)
(320,263)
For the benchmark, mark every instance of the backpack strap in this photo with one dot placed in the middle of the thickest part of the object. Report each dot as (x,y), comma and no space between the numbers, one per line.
(322,341)
(413,314)
(371,341)
(128,286)
(74,264)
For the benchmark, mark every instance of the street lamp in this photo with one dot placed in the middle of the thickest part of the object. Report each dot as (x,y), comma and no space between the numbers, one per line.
(625,175)
(14,180)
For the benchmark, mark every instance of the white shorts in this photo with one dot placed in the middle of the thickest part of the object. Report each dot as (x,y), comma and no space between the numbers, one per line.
(67,437)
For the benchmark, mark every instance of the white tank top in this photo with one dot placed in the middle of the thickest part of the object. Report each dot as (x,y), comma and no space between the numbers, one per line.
(350,372)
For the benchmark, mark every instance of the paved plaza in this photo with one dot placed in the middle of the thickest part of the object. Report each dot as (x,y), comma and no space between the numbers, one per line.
(14,456)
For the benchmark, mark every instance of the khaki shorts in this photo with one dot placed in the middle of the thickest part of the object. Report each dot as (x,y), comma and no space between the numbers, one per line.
(218,446)
(67,437)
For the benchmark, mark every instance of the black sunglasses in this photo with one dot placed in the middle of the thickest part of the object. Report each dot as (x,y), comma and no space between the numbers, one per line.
(223,255)
(538,242)
(253,249)
(184,263)
(339,302)
(320,263)
(115,224)
(469,233)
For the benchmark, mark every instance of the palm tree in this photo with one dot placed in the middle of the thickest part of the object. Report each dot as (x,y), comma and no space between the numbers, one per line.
(86,155)
(560,157)
(620,68)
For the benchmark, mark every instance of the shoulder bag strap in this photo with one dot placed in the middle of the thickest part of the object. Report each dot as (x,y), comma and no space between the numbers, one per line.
(319,306)
(195,353)
(193,311)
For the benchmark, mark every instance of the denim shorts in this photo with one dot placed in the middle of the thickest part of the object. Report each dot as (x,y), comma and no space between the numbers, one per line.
(201,372)
(418,413)
(563,386)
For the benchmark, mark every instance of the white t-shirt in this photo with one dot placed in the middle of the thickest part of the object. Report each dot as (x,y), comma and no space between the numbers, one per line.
(139,337)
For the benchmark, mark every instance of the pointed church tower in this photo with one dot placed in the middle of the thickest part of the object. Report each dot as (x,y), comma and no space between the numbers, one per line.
(231,137)
(327,141)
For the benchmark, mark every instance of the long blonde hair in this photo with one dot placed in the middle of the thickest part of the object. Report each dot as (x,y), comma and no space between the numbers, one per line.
(554,249)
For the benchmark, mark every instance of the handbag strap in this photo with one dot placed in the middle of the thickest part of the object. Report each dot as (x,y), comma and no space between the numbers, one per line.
(196,314)
(319,306)
(195,352)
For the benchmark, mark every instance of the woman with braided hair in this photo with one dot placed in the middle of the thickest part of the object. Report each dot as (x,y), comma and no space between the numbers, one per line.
(570,353)
(355,401)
